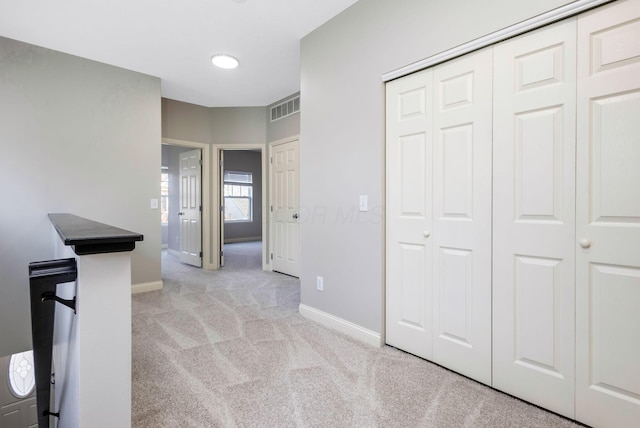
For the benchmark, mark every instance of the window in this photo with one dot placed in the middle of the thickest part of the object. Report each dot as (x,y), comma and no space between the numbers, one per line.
(164,198)
(238,196)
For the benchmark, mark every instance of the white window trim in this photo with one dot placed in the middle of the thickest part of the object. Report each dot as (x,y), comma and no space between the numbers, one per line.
(240,183)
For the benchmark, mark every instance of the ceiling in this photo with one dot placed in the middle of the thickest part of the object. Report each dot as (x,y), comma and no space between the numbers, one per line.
(175,39)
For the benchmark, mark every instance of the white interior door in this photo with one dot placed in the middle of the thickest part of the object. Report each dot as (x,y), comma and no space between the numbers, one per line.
(608,217)
(462,215)
(534,217)
(191,208)
(285,206)
(409,246)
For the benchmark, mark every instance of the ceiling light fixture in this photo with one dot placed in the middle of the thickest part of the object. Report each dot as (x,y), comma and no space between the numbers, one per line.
(224,61)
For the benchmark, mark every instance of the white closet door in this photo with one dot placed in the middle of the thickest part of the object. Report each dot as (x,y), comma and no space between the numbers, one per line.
(409,214)
(534,216)
(608,217)
(462,215)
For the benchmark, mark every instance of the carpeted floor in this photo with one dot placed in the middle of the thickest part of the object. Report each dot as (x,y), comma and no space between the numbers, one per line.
(229,349)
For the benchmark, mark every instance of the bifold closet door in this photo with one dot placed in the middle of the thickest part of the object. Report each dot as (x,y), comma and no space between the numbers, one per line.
(462,215)
(534,216)
(608,220)
(409,214)
(439,214)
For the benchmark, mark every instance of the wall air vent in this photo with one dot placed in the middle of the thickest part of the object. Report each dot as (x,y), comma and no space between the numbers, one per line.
(287,108)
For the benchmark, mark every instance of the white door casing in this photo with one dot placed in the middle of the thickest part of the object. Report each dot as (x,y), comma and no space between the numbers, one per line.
(534,216)
(409,246)
(222,206)
(608,217)
(462,214)
(209,220)
(285,208)
(191,208)
(217,213)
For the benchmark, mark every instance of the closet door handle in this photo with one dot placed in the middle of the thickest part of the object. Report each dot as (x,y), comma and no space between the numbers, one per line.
(585,243)
(426,233)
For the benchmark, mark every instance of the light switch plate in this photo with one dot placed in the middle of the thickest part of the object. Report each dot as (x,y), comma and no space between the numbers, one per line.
(154,204)
(364,203)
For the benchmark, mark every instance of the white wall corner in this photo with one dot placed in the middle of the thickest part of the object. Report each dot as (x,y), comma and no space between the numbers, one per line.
(343,326)
(146,286)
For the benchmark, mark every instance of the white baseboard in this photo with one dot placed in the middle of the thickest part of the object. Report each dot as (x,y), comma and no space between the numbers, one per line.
(173,252)
(146,286)
(343,326)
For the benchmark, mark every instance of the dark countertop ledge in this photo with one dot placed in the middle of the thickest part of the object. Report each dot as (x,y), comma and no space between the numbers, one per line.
(90,237)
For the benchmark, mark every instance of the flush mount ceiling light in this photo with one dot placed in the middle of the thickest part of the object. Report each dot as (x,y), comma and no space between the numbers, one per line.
(224,61)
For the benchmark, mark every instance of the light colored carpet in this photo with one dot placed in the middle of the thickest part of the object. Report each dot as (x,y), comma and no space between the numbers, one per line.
(229,349)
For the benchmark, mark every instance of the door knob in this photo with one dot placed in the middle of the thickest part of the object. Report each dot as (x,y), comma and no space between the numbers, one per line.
(180,213)
(426,233)
(585,243)
(295,216)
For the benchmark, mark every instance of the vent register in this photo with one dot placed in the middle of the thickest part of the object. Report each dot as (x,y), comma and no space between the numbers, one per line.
(286,108)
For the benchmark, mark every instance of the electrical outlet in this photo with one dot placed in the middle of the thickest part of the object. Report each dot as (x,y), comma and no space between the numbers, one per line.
(319,283)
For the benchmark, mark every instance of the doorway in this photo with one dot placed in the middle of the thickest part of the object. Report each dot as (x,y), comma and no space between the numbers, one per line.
(244,217)
(185,202)
(241,180)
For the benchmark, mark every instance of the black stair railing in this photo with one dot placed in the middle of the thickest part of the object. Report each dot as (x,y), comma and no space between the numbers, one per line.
(43,280)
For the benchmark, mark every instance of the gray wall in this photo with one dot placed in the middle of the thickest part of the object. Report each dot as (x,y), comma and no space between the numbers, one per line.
(342,134)
(248,161)
(282,128)
(213,125)
(172,154)
(225,125)
(184,121)
(238,125)
(77,136)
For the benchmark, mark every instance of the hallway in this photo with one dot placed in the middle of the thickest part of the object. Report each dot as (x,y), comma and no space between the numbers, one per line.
(228,348)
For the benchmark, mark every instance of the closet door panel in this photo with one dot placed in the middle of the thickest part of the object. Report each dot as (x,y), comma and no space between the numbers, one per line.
(409,214)
(608,217)
(533,217)
(462,215)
